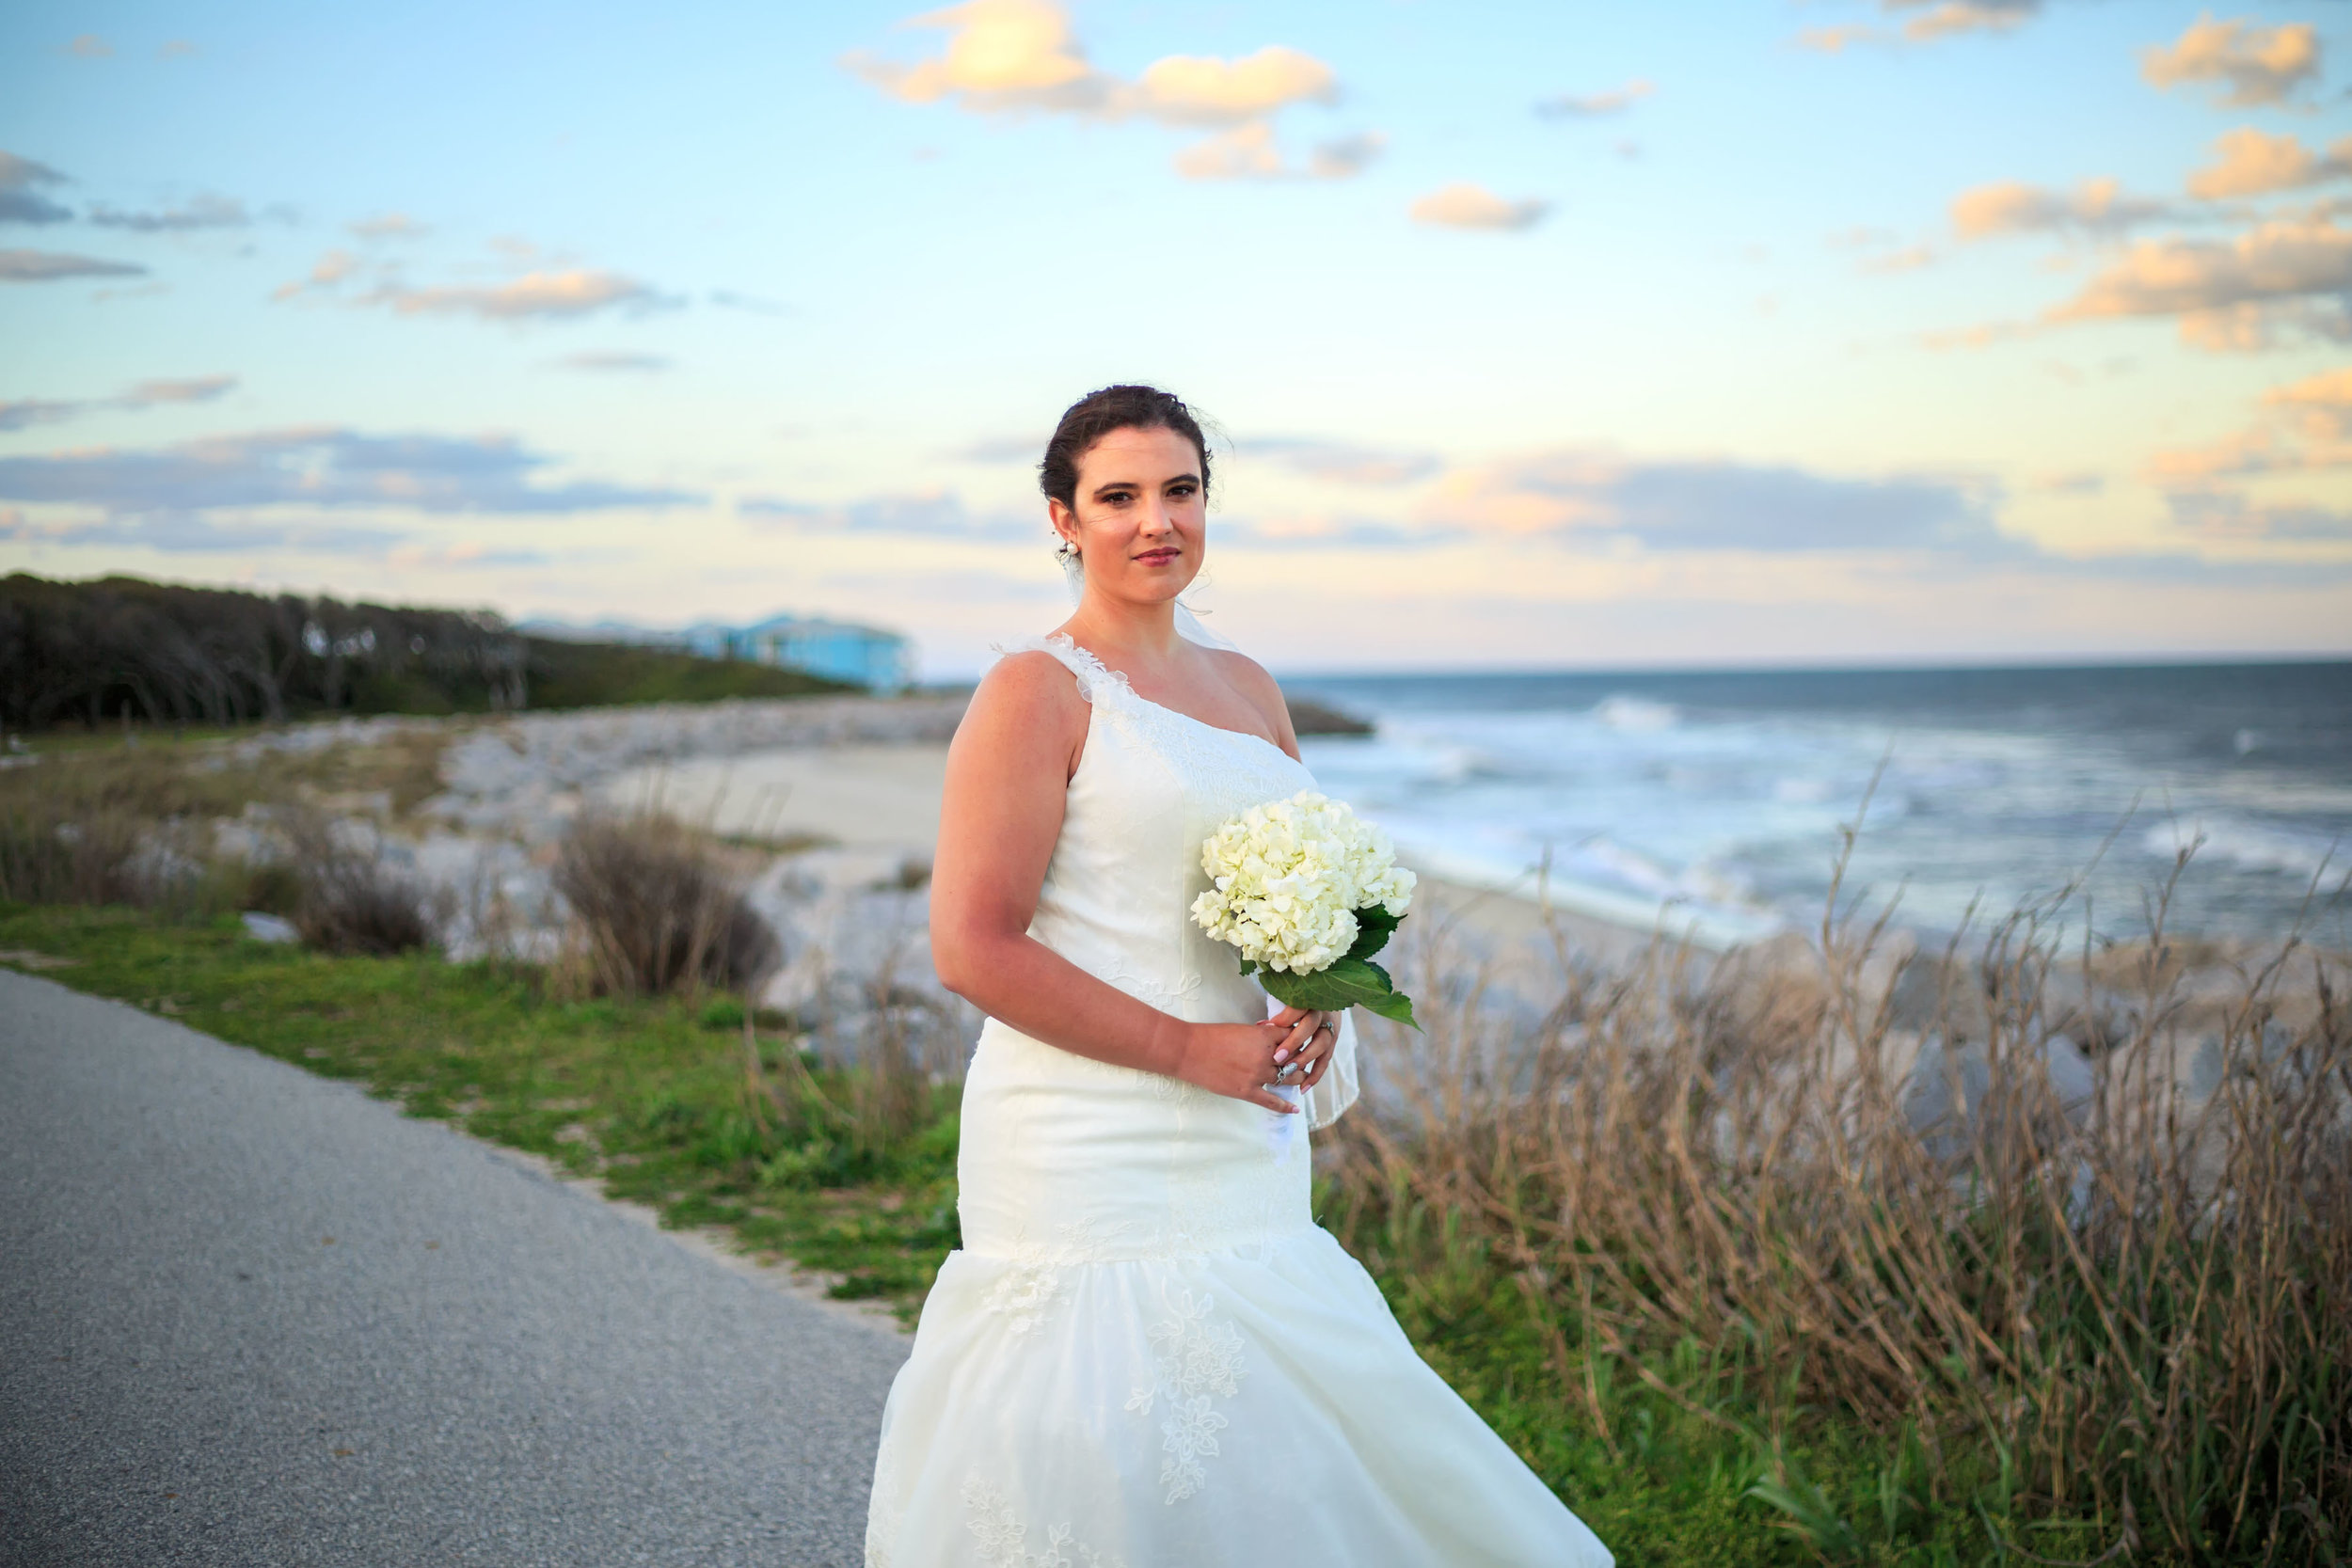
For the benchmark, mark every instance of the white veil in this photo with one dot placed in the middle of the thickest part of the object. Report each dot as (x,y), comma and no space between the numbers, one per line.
(1331,1097)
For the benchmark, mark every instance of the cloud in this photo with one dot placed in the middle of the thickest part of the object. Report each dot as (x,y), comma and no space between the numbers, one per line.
(204,212)
(1910,259)
(2098,209)
(1933,20)
(2250,64)
(327,271)
(934,515)
(1945,17)
(1013,56)
(48,266)
(2231,517)
(1596,105)
(1191,89)
(317,466)
(2306,425)
(1001,55)
(1345,156)
(2228,293)
(26,412)
(1837,39)
(147,394)
(1250,152)
(534,296)
(175,49)
(180,533)
(2253,164)
(1468,206)
(1714,505)
(89,46)
(20,200)
(1345,463)
(389,225)
(615,361)
(2322,404)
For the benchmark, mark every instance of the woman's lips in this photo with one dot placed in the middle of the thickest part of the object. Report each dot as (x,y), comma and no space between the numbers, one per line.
(1158,558)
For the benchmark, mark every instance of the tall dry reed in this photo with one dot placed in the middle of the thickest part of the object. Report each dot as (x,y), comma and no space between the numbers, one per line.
(2117,1296)
(654,911)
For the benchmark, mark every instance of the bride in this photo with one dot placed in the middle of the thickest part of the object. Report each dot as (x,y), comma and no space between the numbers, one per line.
(1147,1352)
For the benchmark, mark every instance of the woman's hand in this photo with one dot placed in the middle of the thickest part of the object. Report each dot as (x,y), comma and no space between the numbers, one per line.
(1246,1061)
(1311,1039)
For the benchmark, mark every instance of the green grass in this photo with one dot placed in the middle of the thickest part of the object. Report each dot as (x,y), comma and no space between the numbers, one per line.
(597,675)
(651,1099)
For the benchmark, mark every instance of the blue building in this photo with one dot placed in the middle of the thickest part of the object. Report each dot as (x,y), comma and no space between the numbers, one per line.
(864,656)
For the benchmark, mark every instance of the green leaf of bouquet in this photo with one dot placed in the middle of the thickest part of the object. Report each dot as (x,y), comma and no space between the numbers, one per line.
(1348,983)
(1374,925)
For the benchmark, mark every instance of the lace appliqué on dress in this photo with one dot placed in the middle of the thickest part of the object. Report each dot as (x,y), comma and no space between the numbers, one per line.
(1194,1358)
(1003,1539)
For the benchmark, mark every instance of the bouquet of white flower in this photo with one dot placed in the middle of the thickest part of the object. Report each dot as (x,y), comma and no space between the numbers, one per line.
(1308,892)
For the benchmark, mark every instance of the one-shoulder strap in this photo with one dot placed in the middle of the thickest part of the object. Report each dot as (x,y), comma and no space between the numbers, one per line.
(1096,683)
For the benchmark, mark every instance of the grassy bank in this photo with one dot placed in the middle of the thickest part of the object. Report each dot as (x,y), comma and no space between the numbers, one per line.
(656,1099)
(1679,1453)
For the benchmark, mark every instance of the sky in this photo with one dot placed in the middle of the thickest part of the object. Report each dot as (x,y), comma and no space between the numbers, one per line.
(1845,332)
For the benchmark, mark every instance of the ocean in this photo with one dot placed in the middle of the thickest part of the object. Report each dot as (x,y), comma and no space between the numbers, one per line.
(1715,800)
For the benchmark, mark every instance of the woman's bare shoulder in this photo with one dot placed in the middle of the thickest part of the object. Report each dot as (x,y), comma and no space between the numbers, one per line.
(1244,674)
(1028,688)
(1249,677)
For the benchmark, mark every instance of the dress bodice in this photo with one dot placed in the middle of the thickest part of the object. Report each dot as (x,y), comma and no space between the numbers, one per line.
(1151,786)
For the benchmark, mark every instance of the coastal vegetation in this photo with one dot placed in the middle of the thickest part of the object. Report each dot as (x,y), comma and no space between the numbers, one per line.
(122,650)
(1703,1242)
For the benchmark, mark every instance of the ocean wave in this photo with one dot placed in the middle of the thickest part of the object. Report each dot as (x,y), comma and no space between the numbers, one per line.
(2247,845)
(1636,715)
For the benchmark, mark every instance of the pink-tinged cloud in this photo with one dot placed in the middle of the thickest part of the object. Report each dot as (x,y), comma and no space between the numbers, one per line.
(1009,56)
(2096,207)
(2252,163)
(1471,206)
(534,296)
(2245,62)
(2280,260)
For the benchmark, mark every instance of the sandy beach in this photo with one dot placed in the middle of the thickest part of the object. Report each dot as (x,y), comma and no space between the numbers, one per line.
(884,800)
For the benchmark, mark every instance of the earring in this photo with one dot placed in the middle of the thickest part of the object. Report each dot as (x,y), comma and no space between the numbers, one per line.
(1064,550)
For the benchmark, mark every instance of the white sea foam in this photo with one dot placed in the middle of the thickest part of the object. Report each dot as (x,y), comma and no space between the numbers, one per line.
(1738,807)
(1636,716)
(2248,846)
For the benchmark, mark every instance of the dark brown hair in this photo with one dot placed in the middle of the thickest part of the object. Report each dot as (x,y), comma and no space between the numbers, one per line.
(1095,416)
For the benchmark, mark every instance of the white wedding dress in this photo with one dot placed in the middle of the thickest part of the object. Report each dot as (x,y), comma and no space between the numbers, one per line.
(1146,1353)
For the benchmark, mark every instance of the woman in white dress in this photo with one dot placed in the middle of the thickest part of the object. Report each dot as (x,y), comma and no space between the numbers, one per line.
(1147,1352)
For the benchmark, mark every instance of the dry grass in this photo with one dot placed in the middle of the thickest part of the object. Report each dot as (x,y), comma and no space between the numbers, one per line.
(654,911)
(2129,1312)
(347,899)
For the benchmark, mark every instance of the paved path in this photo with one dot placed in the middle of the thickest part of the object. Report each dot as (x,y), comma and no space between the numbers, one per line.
(482,1366)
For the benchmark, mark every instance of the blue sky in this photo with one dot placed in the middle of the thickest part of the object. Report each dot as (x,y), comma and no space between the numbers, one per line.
(1849,331)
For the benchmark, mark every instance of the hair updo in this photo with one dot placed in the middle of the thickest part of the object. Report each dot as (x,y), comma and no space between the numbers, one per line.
(1095,416)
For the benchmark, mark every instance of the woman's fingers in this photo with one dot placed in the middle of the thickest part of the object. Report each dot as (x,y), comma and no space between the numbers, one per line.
(1295,1038)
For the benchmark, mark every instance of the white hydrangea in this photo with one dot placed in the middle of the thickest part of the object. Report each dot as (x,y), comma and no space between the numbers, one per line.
(1289,877)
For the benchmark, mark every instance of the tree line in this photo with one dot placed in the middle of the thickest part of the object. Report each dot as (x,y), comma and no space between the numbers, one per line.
(122,648)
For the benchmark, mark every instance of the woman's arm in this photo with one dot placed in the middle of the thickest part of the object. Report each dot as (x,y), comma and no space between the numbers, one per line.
(1007,775)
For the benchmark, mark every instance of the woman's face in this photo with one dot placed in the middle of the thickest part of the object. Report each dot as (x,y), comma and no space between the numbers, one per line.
(1141,522)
